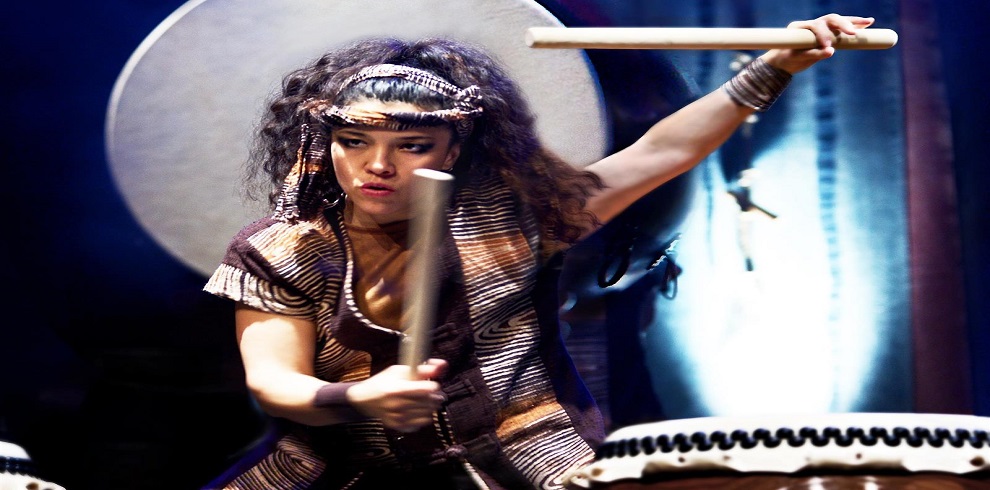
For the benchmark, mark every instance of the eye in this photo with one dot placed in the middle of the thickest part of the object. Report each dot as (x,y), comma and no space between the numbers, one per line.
(417,147)
(350,142)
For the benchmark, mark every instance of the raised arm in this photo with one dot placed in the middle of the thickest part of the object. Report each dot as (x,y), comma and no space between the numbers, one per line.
(680,141)
(278,355)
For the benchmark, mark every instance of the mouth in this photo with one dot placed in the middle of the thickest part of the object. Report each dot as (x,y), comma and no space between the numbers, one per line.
(376,189)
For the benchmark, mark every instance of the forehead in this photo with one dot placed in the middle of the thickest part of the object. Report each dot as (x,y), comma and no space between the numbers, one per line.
(375,105)
(371,131)
(382,134)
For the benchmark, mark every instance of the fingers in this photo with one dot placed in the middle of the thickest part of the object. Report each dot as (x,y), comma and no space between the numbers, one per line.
(433,368)
(401,401)
(847,24)
(410,411)
(825,27)
(861,22)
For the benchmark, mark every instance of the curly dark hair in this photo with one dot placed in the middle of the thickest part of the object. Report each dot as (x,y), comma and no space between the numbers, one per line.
(504,139)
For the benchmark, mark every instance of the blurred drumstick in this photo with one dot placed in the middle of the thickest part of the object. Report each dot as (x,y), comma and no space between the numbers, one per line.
(431,189)
(738,38)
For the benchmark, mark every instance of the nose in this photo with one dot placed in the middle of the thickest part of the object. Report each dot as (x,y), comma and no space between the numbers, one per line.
(380,163)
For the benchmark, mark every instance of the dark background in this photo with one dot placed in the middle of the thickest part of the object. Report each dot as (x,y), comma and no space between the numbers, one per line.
(118,372)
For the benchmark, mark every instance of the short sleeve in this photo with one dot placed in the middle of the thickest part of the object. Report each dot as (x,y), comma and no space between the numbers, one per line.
(277,267)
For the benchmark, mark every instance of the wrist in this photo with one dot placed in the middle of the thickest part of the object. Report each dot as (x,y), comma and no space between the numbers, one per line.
(758,85)
(333,397)
(777,59)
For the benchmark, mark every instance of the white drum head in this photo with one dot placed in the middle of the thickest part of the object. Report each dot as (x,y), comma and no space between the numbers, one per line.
(181,117)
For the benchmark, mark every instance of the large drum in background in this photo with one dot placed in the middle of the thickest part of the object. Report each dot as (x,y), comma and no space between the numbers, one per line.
(180,121)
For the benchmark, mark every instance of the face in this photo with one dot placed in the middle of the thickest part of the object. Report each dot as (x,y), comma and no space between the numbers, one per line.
(375,166)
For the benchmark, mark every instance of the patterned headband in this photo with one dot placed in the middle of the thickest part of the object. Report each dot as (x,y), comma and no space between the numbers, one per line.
(466,102)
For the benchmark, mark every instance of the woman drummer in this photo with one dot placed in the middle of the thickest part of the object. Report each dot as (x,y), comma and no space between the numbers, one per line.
(318,284)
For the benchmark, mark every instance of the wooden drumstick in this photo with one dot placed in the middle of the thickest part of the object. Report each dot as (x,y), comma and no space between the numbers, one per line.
(431,189)
(738,38)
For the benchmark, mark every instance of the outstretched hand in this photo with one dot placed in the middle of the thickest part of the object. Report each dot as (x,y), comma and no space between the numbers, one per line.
(824,27)
(403,401)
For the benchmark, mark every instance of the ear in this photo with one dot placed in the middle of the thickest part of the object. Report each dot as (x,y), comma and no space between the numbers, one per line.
(452,153)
